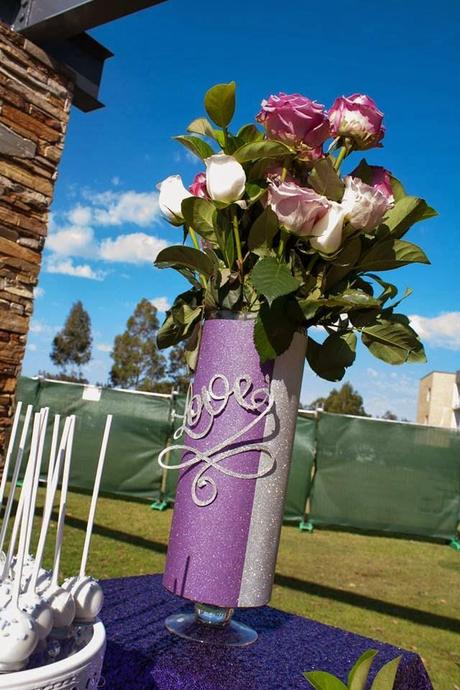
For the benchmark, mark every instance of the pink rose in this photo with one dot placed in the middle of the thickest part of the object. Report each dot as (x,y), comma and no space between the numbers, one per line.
(357,118)
(365,206)
(310,155)
(198,186)
(294,119)
(381,180)
(297,208)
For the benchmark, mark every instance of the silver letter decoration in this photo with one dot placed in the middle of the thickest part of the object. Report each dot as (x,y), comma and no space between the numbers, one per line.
(213,402)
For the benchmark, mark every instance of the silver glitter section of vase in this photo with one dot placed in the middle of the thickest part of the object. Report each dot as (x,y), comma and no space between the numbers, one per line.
(267,510)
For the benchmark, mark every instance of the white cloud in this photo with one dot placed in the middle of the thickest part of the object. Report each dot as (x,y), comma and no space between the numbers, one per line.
(32,347)
(104,347)
(113,208)
(67,267)
(161,303)
(42,328)
(38,292)
(80,215)
(115,180)
(72,241)
(134,248)
(439,331)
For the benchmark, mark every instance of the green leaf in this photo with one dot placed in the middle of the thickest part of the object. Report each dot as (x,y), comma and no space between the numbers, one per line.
(170,333)
(364,172)
(272,279)
(321,680)
(219,102)
(393,341)
(254,191)
(249,133)
(273,330)
(331,358)
(197,146)
(180,255)
(385,678)
(263,229)
(389,290)
(261,149)
(392,253)
(405,213)
(398,190)
(200,214)
(201,126)
(326,181)
(359,673)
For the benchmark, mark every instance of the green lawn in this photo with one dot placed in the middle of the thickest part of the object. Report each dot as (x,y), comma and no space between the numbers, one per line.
(400,591)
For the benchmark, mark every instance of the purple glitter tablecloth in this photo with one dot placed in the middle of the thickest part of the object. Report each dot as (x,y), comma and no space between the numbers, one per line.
(142,655)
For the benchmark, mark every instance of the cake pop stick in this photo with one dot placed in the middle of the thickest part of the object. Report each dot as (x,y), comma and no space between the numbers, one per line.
(22,496)
(18,631)
(86,591)
(53,480)
(14,479)
(61,601)
(36,478)
(9,452)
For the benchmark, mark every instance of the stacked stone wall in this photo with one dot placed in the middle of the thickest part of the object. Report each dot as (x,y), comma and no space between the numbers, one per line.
(35,101)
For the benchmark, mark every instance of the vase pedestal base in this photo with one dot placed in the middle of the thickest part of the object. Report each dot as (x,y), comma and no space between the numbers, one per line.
(211,625)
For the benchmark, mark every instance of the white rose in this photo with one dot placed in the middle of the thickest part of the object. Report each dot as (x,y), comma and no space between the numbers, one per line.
(327,232)
(172,194)
(365,205)
(225,178)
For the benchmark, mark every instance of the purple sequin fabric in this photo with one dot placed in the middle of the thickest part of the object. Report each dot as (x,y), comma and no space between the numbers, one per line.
(142,655)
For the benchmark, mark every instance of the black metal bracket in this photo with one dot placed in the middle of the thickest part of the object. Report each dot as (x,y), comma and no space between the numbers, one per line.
(44,20)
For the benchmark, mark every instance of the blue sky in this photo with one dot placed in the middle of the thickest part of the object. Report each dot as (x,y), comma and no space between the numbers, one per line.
(106,228)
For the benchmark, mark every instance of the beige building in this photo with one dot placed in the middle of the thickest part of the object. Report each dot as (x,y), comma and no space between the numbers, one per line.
(439,400)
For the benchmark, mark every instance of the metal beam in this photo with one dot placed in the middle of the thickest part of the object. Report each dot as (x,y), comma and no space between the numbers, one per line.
(42,20)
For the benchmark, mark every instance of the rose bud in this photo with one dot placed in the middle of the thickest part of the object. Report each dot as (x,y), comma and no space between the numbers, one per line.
(327,232)
(297,208)
(225,178)
(310,155)
(364,205)
(172,194)
(198,186)
(294,119)
(357,117)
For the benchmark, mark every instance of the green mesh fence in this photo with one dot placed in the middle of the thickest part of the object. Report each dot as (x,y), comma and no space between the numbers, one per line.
(386,476)
(367,474)
(140,427)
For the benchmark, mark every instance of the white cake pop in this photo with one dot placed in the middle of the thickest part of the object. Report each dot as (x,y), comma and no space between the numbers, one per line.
(18,639)
(88,597)
(40,610)
(61,603)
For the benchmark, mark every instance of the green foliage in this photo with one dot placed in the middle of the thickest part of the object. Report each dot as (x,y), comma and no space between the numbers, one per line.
(273,279)
(345,400)
(250,261)
(325,180)
(197,146)
(358,676)
(331,358)
(72,345)
(219,102)
(137,363)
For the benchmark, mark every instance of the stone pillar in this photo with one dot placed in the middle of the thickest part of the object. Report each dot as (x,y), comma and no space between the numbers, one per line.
(35,100)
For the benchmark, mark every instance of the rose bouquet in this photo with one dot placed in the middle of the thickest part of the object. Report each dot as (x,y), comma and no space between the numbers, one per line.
(279,230)
(282,241)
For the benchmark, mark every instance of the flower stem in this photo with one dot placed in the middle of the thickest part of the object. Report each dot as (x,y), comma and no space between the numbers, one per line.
(284,169)
(341,155)
(282,244)
(196,244)
(236,235)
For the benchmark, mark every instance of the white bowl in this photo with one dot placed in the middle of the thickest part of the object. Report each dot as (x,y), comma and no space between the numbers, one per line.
(81,671)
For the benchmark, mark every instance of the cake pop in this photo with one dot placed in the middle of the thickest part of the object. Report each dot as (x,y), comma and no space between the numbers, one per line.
(87,592)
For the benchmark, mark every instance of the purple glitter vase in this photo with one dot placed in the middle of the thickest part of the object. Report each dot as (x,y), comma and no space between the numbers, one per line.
(236,441)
